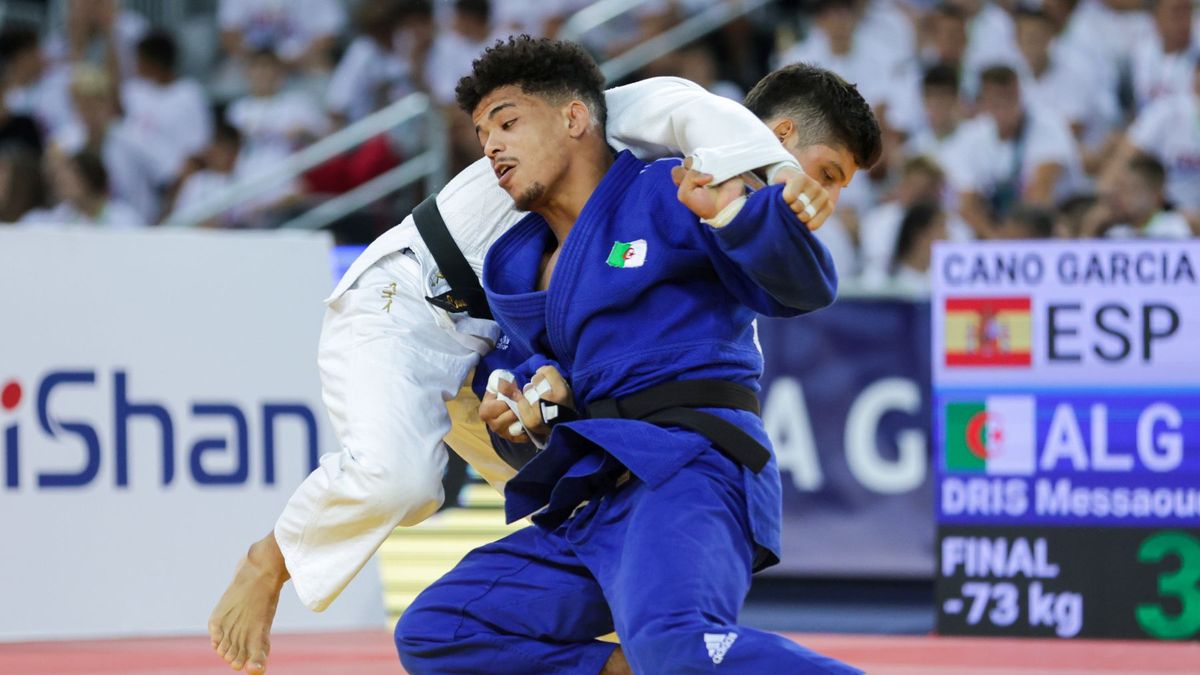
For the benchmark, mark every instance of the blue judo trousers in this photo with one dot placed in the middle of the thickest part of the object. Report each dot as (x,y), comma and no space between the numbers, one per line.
(646,530)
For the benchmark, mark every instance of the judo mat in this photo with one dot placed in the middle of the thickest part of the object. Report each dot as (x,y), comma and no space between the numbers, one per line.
(372,653)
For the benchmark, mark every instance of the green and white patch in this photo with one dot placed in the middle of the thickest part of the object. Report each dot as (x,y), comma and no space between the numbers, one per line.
(631,254)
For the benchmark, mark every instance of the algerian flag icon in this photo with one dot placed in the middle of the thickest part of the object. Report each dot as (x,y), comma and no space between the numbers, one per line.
(632,254)
(995,436)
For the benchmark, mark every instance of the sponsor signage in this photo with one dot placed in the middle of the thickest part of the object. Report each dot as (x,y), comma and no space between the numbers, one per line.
(1066,424)
(159,403)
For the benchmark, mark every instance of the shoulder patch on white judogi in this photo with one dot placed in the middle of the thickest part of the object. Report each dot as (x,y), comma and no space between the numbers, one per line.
(718,644)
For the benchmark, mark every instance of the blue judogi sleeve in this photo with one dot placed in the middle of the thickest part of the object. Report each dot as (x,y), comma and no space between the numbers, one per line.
(770,260)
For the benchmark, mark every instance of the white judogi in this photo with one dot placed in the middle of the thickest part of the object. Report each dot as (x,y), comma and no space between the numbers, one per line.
(391,364)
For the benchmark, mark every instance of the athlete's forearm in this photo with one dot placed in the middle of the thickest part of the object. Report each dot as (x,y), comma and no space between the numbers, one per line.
(665,116)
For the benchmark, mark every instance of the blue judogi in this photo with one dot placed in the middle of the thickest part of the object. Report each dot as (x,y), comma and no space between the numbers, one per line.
(665,556)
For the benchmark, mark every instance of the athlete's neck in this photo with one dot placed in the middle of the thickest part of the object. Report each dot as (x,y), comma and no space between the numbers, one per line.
(562,207)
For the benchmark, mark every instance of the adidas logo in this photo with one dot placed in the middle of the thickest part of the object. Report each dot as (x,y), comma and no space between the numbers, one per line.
(718,644)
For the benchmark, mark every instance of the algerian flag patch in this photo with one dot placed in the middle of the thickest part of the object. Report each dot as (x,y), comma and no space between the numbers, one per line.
(632,254)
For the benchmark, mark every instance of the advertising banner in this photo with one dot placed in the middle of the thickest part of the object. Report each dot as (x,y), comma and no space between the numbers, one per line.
(846,403)
(1066,381)
(159,402)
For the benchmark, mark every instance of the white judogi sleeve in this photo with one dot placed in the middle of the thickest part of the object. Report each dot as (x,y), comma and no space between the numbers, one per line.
(391,363)
(669,116)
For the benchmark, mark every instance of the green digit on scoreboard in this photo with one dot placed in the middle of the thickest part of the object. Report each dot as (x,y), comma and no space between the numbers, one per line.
(1182,583)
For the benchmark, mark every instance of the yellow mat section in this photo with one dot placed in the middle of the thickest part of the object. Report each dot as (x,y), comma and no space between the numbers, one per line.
(414,557)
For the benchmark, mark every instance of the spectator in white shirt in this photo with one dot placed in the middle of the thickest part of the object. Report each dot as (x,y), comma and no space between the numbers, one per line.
(1135,205)
(274,123)
(1010,153)
(923,224)
(1162,64)
(97,30)
(303,32)
(372,73)
(29,87)
(945,42)
(1057,79)
(991,40)
(214,174)
(81,184)
(455,48)
(1108,32)
(169,116)
(836,43)
(1168,130)
(131,166)
(921,180)
(941,113)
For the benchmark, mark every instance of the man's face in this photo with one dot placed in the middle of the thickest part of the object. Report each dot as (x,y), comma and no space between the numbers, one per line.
(1173,19)
(1132,198)
(941,108)
(525,138)
(1033,37)
(830,165)
(948,34)
(264,76)
(1003,104)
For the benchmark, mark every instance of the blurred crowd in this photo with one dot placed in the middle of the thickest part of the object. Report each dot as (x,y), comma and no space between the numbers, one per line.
(1011,119)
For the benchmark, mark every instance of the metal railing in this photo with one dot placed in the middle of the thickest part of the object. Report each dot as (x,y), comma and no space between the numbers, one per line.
(593,16)
(690,29)
(434,162)
(407,109)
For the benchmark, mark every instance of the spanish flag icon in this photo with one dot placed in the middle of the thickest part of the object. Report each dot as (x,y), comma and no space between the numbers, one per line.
(988,332)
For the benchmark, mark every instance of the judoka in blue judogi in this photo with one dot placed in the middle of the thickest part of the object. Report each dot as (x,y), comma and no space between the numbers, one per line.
(648,529)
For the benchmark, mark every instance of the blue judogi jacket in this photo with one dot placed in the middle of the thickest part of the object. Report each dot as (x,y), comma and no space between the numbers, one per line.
(686,312)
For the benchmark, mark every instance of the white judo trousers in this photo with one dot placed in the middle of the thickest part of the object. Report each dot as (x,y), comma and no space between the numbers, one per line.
(392,365)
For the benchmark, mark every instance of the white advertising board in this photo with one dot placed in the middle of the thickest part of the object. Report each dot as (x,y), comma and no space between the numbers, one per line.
(159,402)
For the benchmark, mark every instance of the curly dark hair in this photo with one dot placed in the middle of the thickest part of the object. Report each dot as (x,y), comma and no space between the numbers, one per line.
(824,107)
(552,69)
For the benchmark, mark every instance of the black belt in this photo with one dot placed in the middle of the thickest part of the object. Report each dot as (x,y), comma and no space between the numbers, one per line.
(465,294)
(674,403)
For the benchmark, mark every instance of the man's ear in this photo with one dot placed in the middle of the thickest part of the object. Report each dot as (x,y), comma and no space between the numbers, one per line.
(578,118)
(783,128)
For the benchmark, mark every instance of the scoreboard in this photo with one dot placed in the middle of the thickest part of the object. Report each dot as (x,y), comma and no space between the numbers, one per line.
(1066,406)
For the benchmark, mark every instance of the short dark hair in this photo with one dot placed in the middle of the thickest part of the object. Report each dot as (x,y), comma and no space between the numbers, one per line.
(1149,169)
(1030,11)
(224,132)
(941,76)
(950,11)
(552,69)
(14,41)
(266,53)
(1001,76)
(158,47)
(92,171)
(415,8)
(924,164)
(824,107)
(1038,220)
(478,9)
(919,218)
(822,6)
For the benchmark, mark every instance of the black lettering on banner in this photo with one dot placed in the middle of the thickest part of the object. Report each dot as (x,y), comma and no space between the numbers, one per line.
(1104,327)
(1055,330)
(1149,334)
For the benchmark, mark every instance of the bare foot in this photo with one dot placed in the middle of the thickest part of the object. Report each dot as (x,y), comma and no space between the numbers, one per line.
(616,664)
(240,625)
